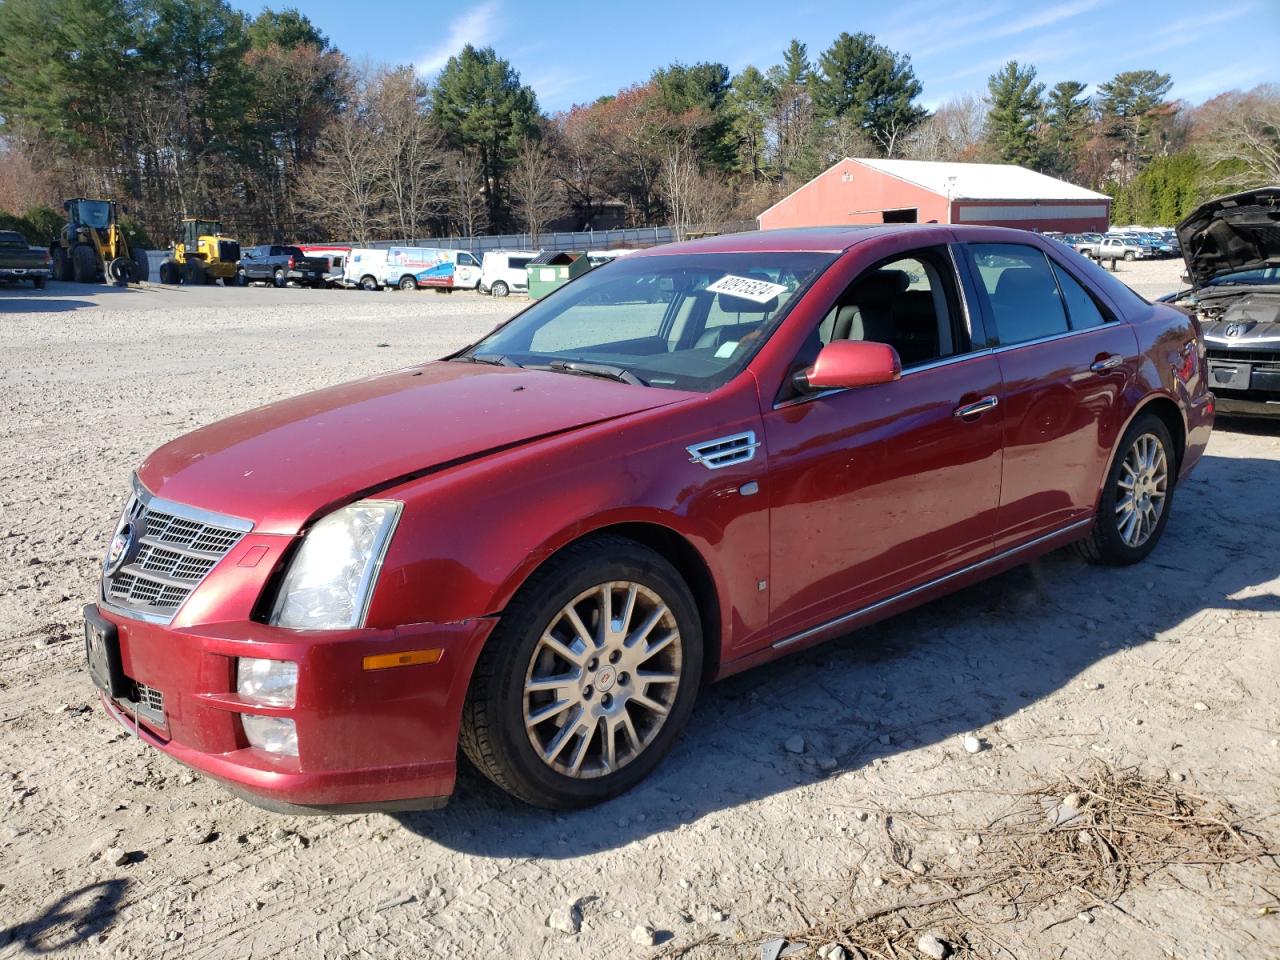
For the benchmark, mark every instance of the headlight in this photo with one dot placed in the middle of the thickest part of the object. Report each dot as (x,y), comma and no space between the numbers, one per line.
(273,682)
(272,734)
(330,580)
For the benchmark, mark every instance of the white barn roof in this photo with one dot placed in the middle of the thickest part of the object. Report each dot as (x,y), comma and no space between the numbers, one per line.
(981,181)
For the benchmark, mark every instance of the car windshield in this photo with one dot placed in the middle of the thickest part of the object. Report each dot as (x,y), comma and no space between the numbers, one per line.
(1258,275)
(688,322)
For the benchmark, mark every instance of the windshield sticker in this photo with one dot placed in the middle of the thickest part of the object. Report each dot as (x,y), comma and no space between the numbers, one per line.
(726,349)
(747,288)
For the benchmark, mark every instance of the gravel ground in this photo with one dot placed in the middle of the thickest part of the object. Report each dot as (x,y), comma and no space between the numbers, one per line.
(110,849)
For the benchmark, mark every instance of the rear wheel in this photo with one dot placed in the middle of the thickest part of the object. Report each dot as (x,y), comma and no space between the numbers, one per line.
(278,277)
(242,278)
(589,677)
(368,283)
(142,266)
(408,283)
(1138,494)
(500,289)
(38,282)
(84,263)
(169,273)
(1128,255)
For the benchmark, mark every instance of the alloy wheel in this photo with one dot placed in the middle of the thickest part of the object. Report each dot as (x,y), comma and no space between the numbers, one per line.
(1141,490)
(602,679)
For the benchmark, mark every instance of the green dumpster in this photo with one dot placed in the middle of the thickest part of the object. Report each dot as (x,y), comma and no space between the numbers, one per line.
(551,269)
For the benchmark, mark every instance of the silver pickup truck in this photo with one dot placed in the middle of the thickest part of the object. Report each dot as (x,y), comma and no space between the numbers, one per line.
(20,261)
(1111,248)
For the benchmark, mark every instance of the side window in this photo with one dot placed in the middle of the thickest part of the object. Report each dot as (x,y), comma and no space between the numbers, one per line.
(909,302)
(466,260)
(518,263)
(1082,310)
(1023,293)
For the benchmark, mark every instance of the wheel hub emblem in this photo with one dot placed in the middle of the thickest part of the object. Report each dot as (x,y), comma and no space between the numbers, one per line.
(605,679)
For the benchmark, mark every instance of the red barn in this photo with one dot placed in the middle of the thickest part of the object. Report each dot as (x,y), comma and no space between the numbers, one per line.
(928,191)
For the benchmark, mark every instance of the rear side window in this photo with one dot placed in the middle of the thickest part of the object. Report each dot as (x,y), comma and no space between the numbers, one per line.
(1082,310)
(1022,291)
(518,263)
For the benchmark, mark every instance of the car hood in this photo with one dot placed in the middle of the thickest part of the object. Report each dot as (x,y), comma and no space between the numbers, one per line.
(282,464)
(1239,232)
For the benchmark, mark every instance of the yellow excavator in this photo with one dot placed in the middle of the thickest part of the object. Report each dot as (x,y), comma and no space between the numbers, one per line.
(92,246)
(203,255)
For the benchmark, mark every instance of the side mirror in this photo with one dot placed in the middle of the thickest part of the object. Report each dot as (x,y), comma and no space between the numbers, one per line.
(842,364)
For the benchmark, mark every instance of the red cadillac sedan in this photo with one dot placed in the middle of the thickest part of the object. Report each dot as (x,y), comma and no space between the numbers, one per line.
(683,464)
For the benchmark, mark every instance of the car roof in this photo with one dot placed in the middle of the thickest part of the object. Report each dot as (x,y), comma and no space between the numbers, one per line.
(824,239)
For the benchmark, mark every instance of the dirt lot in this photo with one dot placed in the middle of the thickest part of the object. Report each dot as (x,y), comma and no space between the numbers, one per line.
(1171,666)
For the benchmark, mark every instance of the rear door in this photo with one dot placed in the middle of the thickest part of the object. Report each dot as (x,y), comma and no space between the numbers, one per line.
(1065,360)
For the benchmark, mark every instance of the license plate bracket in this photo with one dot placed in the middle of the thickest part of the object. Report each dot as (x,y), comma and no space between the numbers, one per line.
(1229,375)
(102,650)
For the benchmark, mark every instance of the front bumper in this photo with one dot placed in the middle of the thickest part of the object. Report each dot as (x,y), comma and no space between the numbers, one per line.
(25,273)
(367,739)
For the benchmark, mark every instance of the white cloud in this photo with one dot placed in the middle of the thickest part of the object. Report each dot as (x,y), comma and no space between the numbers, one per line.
(1010,28)
(477,27)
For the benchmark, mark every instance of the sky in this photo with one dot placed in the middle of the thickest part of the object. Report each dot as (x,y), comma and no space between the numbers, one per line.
(574,52)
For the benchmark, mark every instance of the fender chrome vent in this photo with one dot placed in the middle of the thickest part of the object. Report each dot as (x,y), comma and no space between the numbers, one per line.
(724,451)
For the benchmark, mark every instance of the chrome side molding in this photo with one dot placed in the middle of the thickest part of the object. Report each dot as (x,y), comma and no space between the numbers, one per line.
(724,451)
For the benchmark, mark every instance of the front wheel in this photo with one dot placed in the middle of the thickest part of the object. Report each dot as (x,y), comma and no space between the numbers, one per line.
(408,283)
(278,278)
(368,283)
(588,679)
(242,278)
(1135,502)
(500,289)
(1129,255)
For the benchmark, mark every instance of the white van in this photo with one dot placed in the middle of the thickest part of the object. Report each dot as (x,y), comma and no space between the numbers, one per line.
(504,271)
(409,268)
(364,268)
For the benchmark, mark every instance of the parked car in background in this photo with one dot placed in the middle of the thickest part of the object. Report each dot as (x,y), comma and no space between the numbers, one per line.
(538,548)
(504,272)
(280,265)
(364,268)
(411,268)
(1112,248)
(335,256)
(1232,251)
(20,261)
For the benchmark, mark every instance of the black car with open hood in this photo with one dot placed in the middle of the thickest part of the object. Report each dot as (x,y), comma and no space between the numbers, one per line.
(1232,250)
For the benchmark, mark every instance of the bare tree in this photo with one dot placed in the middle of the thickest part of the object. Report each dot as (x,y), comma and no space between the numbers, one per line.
(953,132)
(678,181)
(467,193)
(535,188)
(1242,139)
(410,153)
(344,188)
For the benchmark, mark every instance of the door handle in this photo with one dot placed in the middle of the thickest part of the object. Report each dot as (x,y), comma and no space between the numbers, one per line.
(977,407)
(1106,363)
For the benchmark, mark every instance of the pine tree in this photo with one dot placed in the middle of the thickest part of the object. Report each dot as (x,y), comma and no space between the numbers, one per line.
(1128,103)
(750,103)
(795,65)
(870,85)
(482,108)
(1066,117)
(1015,102)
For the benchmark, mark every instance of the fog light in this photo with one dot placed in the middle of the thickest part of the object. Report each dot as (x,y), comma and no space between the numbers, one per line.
(272,734)
(270,682)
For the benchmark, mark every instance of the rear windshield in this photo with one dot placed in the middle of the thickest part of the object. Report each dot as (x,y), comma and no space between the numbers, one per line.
(689,322)
(10,239)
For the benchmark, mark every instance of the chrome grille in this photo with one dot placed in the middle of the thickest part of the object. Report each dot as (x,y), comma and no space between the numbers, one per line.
(176,547)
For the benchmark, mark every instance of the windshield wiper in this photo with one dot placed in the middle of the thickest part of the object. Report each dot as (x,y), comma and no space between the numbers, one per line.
(606,370)
(493,359)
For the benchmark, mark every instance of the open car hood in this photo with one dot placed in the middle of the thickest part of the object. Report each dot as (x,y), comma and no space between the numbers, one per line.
(1239,232)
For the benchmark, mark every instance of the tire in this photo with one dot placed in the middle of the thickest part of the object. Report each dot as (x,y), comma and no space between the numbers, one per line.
(278,277)
(84,263)
(169,273)
(1107,542)
(494,735)
(61,265)
(500,288)
(407,283)
(368,283)
(242,278)
(1128,255)
(38,282)
(141,267)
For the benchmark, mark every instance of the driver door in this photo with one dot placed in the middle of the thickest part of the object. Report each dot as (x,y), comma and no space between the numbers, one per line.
(879,489)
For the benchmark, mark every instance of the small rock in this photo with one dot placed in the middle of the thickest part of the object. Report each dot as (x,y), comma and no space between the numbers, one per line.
(972,744)
(684,884)
(772,949)
(885,739)
(116,856)
(281,833)
(567,919)
(435,893)
(719,916)
(1200,705)
(198,833)
(862,816)
(918,868)
(878,882)
(832,951)
(826,764)
(794,744)
(1084,916)
(644,936)
(174,935)
(1071,800)
(934,947)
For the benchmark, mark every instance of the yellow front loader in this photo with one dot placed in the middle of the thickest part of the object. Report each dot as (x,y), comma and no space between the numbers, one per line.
(92,246)
(203,255)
